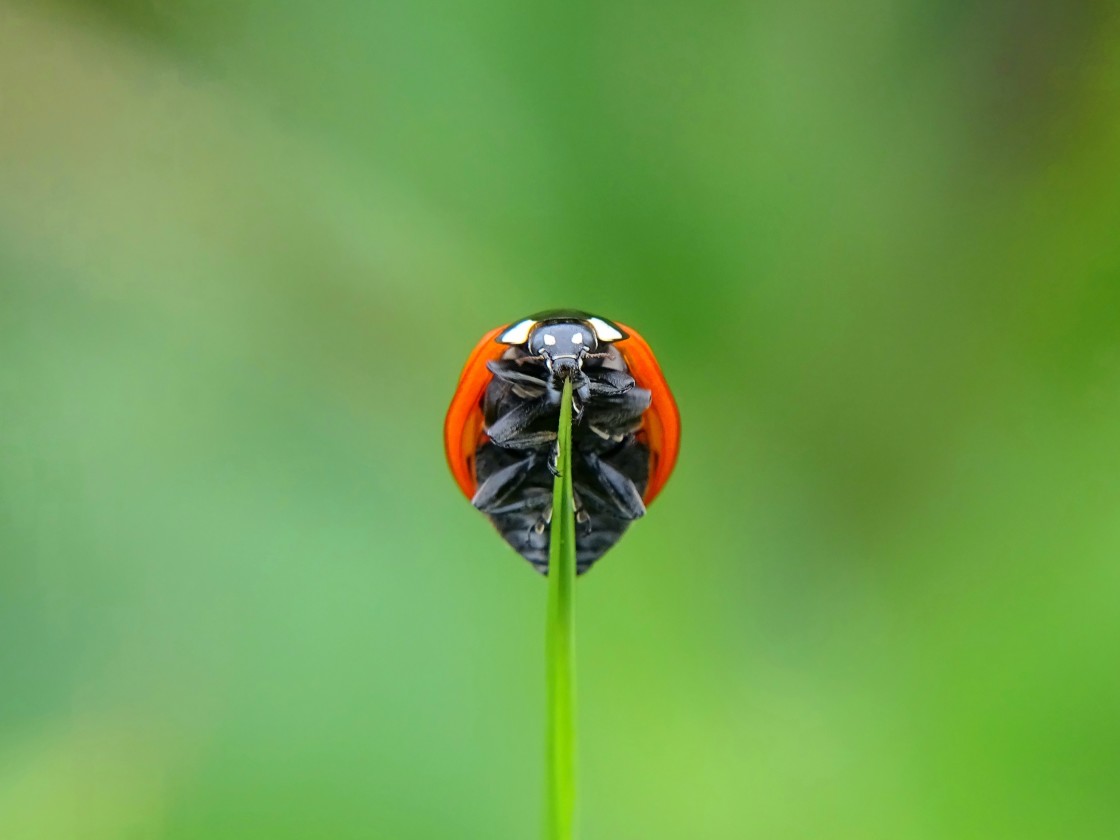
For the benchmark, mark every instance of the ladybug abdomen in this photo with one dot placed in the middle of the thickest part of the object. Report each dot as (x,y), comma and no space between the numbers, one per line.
(514,465)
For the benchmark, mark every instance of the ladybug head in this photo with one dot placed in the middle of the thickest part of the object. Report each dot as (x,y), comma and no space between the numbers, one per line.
(562,344)
(563,338)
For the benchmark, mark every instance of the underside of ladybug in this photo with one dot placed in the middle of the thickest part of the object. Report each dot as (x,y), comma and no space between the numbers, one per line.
(501,430)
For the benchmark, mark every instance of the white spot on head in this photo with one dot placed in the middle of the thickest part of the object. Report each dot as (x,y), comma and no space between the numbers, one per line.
(577,338)
(549,339)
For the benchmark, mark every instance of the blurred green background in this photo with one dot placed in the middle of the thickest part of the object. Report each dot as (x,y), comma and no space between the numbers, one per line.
(245,249)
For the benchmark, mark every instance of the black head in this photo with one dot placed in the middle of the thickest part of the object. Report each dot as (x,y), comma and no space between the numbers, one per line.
(562,344)
(563,338)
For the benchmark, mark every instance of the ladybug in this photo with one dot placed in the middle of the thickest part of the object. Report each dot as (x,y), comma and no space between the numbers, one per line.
(500,431)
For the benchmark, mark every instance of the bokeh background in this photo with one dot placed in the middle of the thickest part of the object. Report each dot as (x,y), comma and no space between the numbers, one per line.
(244,250)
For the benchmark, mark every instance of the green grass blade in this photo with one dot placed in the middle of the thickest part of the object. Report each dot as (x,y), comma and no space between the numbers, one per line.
(560,795)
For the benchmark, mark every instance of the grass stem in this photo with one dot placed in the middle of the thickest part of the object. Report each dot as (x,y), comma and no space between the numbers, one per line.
(560,794)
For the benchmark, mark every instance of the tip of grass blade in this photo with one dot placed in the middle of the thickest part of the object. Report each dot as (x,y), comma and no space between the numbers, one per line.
(560,640)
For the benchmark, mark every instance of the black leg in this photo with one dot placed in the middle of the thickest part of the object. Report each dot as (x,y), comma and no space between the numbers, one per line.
(534,500)
(611,383)
(623,496)
(509,429)
(497,487)
(613,418)
(510,371)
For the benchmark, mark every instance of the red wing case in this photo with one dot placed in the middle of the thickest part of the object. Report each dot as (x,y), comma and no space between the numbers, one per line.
(462,430)
(661,424)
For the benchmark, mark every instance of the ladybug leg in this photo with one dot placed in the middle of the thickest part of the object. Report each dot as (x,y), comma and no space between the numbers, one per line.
(581,390)
(594,502)
(621,492)
(632,403)
(508,370)
(583,519)
(529,440)
(535,499)
(615,418)
(509,430)
(582,395)
(498,486)
(611,383)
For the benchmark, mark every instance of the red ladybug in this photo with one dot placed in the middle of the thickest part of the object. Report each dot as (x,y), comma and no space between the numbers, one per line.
(500,432)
